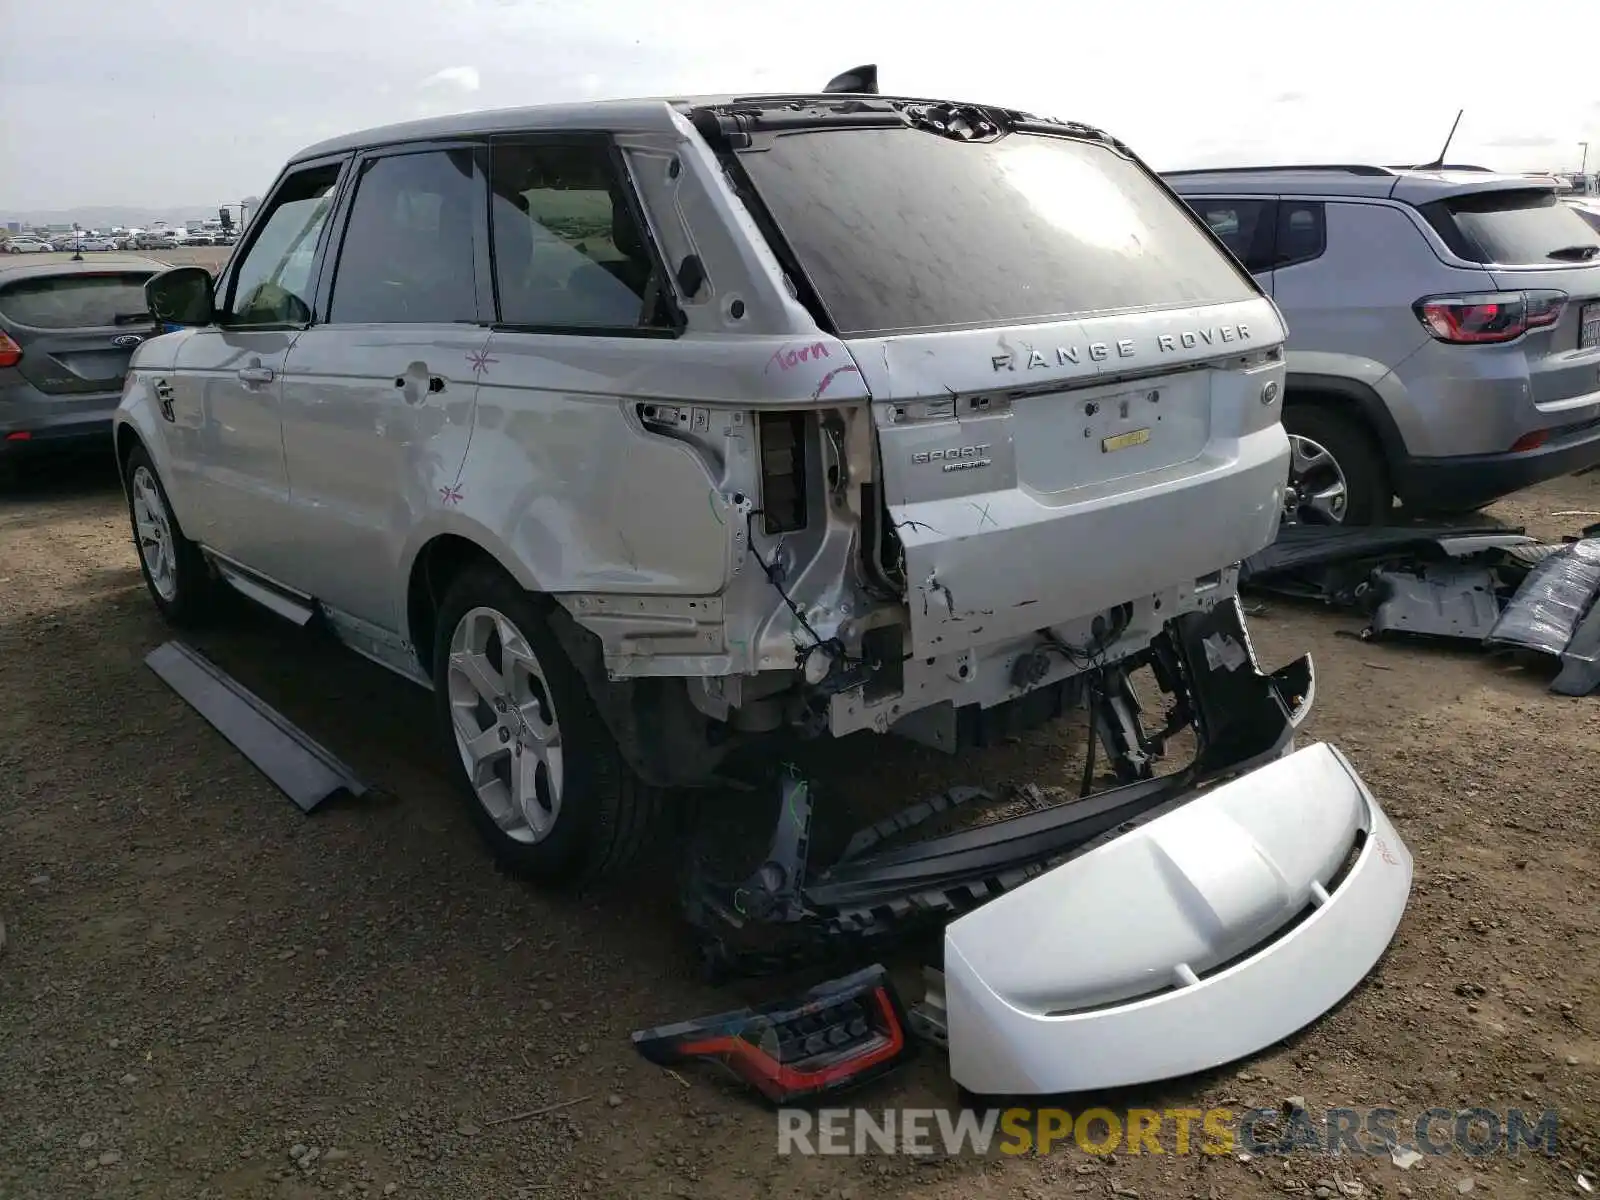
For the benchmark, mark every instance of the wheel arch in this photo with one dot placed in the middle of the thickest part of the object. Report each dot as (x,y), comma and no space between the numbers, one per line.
(435,565)
(1354,397)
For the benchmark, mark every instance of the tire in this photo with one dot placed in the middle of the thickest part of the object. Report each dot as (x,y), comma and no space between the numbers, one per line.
(1354,457)
(174,570)
(586,816)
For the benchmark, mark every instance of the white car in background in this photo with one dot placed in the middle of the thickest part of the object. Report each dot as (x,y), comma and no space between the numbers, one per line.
(28,245)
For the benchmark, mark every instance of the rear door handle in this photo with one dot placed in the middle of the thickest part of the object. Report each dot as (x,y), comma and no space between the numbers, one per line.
(255,374)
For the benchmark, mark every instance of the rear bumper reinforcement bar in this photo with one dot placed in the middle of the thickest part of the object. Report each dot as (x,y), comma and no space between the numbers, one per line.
(783,914)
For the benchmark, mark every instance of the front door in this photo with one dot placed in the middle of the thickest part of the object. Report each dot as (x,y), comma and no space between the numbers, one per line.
(378,399)
(227,383)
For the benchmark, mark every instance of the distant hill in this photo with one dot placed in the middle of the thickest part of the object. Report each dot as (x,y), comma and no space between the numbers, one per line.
(100,216)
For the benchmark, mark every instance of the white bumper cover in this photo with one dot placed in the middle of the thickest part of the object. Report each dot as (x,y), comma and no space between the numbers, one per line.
(1203,936)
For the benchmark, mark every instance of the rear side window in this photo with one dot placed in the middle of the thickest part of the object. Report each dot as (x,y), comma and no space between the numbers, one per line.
(899,229)
(1514,228)
(1243,226)
(76,301)
(407,251)
(1302,232)
(569,250)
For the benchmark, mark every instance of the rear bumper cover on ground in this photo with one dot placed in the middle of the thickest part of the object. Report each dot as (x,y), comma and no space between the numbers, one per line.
(1206,934)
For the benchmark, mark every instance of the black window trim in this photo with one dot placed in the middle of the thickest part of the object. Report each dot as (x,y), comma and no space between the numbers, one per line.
(660,277)
(327,268)
(223,294)
(1321,207)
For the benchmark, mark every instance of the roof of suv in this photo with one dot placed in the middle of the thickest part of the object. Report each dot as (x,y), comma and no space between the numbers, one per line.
(1414,185)
(642,114)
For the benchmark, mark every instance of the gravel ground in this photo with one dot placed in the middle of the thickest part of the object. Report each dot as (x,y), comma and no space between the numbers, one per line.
(197,981)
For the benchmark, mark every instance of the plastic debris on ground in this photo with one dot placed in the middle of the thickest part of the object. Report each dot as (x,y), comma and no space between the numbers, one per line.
(1484,584)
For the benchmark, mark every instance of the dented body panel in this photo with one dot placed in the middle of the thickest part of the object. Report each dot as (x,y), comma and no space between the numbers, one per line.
(797,524)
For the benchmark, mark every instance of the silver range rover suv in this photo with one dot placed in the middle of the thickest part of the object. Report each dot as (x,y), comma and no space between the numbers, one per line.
(642,430)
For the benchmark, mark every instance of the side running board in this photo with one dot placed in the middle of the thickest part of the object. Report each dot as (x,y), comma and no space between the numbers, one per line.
(306,772)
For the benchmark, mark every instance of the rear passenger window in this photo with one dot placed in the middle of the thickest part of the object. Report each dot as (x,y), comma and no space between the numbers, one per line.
(1245,227)
(569,251)
(1302,232)
(407,252)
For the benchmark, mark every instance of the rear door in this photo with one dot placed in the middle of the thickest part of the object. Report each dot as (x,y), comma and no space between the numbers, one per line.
(1529,240)
(378,394)
(1067,371)
(77,331)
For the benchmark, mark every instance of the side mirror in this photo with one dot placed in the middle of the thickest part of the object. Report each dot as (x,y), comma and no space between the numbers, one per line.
(181,296)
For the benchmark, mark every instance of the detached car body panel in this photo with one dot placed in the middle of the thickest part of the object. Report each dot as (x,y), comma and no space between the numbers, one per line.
(1211,932)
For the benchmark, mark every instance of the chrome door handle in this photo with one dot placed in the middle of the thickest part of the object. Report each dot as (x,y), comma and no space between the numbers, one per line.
(255,374)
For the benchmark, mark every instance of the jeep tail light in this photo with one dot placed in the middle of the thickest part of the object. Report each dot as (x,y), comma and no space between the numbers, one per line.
(1489,316)
(10,352)
(838,1034)
(783,471)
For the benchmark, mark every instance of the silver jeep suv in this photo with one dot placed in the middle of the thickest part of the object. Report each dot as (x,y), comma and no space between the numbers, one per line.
(1444,329)
(638,430)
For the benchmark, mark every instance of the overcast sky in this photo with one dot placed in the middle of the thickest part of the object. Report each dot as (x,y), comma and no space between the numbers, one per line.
(187,102)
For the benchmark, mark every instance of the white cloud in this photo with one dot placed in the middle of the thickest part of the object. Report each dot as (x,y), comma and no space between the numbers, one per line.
(464,79)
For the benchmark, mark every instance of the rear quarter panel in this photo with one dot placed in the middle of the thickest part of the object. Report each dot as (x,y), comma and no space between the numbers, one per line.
(1356,302)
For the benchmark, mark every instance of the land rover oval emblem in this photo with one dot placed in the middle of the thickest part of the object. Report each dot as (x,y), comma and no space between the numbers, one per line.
(127,339)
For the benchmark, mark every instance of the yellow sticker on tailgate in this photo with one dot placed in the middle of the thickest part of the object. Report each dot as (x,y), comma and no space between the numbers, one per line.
(1134,437)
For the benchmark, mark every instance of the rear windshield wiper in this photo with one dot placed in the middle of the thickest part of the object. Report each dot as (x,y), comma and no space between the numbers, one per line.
(135,318)
(1580,253)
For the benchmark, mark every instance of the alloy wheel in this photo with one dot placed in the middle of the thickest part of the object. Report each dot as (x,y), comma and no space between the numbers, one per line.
(505,724)
(153,530)
(1318,493)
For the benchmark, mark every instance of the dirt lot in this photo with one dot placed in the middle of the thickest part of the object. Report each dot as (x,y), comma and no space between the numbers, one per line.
(197,978)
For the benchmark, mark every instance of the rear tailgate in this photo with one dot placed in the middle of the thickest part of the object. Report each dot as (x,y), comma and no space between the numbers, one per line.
(77,331)
(1530,241)
(1067,370)
(1022,503)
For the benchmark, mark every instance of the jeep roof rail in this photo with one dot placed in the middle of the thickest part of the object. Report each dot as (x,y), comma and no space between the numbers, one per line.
(1348,168)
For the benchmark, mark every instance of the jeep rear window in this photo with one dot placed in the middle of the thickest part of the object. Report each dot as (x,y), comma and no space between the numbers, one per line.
(900,230)
(75,301)
(1512,228)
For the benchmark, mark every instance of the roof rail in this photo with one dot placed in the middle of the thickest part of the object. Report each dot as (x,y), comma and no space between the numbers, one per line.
(1444,167)
(1348,168)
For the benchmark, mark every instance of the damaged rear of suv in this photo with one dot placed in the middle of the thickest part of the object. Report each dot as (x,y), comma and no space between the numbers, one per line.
(651,431)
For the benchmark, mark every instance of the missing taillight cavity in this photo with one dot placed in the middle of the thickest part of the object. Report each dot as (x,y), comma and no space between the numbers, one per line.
(783,471)
(1489,316)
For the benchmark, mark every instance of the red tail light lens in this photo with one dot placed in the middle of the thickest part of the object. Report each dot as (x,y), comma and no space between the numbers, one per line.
(1489,316)
(10,352)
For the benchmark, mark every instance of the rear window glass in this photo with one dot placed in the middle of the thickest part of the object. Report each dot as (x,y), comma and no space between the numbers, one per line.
(900,230)
(76,301)
(1514,228)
